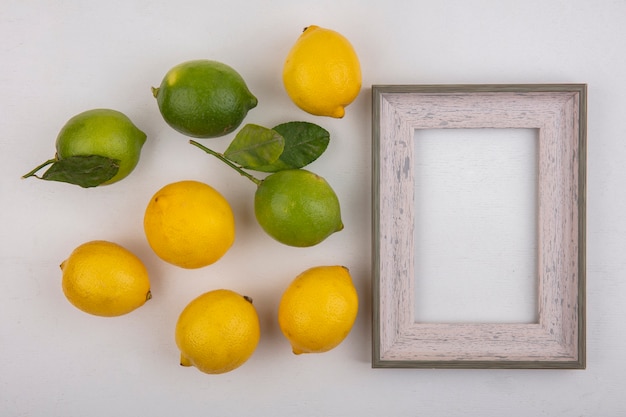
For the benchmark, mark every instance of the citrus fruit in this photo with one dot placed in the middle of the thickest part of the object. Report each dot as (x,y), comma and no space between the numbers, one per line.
(105,279)
(204,98)
(322,74)
(297,207)
(95,147)
(103,132)
(317,310)
(217,332)
(189,224)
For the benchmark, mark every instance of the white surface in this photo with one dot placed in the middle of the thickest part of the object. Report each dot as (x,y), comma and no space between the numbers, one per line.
(63,57)
(476,225)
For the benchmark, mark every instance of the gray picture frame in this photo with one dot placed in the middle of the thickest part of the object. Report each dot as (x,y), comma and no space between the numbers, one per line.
(558,339)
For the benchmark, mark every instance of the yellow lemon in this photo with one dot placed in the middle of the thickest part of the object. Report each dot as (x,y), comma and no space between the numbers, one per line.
(322,74)
(318,309)
(189,224)
(217,332)
(105,279)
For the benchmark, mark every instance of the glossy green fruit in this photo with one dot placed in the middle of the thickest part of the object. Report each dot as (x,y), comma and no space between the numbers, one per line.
(297,207)
(203,98)
(102,132)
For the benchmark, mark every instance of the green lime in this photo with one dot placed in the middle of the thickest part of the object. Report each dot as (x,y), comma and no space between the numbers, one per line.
(103,132)
(297,207)
(203,98)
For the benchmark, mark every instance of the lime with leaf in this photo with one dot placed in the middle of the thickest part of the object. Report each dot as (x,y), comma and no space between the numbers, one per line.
(95,147)
(294,206)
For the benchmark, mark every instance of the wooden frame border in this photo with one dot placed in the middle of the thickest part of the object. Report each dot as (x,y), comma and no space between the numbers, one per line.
(558,340)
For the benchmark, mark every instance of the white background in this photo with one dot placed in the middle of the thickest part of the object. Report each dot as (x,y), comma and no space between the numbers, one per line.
(62,57)
(475,225)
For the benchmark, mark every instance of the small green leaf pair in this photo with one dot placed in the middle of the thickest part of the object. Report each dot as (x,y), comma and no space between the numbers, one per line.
(287,146)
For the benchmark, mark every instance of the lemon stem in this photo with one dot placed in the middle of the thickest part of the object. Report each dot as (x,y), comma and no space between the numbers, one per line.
(34,171)
(226,161)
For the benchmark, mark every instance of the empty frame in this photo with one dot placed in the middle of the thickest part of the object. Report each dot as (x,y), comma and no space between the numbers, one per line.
(556,339)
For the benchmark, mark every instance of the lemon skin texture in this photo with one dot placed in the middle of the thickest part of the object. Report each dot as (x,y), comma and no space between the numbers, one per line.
(217,332)
(204,98)
(297,208)
(105,279)
(102,132)
(318,309)
(322,73)
(189,224)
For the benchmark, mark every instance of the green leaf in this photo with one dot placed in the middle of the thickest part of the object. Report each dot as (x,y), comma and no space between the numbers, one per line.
(83,170)
(255,146)
(304,143)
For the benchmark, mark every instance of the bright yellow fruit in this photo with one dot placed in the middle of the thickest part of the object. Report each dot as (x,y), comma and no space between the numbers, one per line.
(318,309)
(322,74)
(189,224)
(105,279)
(217,332)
